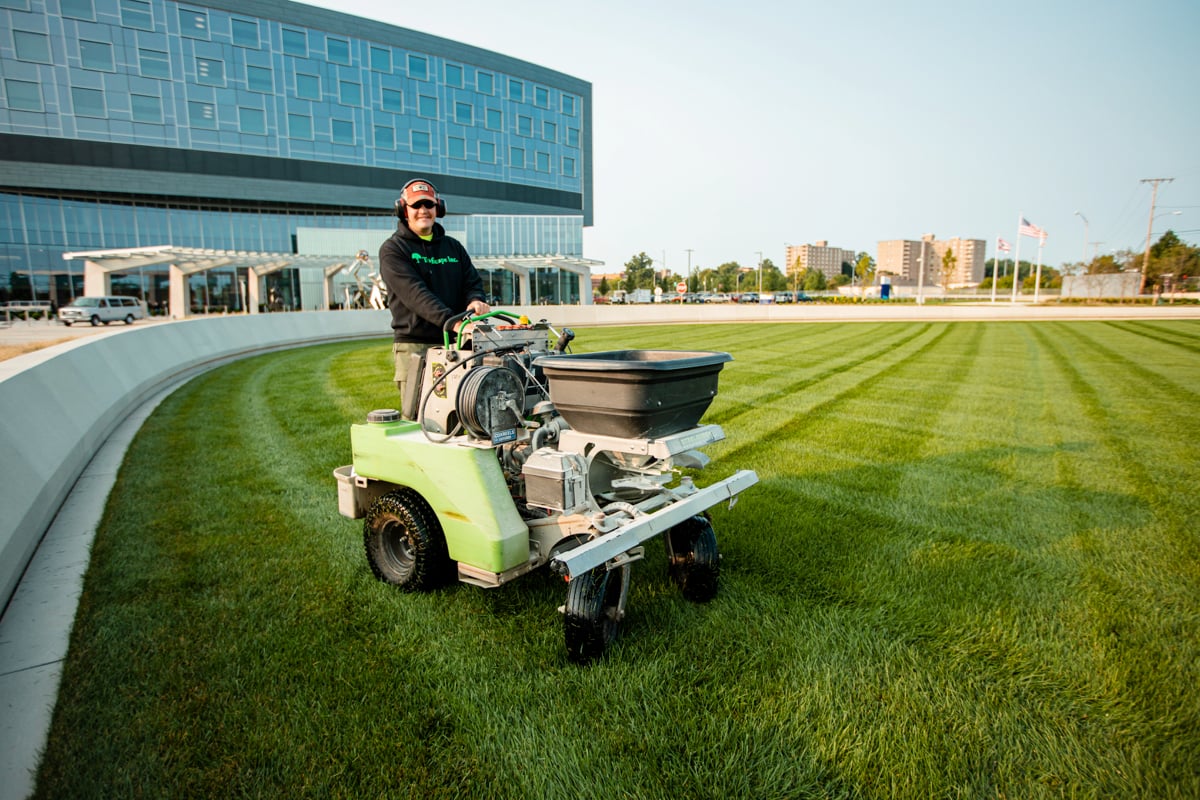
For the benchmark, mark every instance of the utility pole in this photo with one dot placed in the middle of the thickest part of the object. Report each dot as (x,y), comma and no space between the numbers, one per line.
(689,252)
(759,254)
(1149,228)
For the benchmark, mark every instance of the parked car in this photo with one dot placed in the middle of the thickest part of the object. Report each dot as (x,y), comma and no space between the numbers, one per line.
(748,297)
(785,297)
(97,310)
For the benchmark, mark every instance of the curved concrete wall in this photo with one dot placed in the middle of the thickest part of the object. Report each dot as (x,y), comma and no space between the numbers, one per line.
(57,406)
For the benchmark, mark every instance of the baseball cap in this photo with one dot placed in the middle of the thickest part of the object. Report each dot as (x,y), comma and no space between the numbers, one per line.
(419,190)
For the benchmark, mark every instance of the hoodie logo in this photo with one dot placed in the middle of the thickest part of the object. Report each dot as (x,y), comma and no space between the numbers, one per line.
(420,259)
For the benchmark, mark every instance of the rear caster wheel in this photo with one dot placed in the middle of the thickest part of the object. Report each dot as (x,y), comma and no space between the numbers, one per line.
(405,544)
(595,607)
(693,561)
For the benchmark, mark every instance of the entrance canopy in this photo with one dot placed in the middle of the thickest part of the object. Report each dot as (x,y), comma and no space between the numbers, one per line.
(182,262)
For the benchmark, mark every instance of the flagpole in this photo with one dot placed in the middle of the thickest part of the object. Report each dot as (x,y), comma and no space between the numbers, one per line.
(996,269)
(1017,260)
(1037,283)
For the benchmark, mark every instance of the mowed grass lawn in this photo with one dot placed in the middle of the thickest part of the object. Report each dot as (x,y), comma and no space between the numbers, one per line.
(971,569)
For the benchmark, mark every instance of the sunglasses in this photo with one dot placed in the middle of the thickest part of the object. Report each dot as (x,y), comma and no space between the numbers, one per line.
(421,204)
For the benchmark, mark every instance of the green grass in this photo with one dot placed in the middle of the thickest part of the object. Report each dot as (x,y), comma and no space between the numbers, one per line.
(971,569)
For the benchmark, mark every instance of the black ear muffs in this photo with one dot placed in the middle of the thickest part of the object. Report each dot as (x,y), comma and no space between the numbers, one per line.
(402,206)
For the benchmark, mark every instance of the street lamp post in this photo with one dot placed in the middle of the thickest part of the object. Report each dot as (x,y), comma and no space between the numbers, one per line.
(1085,234)
(921,275)
(759,254)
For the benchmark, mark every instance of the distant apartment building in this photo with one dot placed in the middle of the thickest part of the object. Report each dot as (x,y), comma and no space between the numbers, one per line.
(820,256)
(902,258)
(968,262)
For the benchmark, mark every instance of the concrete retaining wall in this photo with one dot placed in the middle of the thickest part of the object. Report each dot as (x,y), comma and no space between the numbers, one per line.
(57,406)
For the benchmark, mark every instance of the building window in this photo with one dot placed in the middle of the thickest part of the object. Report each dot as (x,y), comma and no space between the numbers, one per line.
(245,33)
(77,9)
(210,72)
(350,94)
(524,126)
(543,162)
(419,142)
(427,106)
(136,14)
(541,97)
(487,153)
(23,95)
(516,157)
(454,75)
(88,102)
(418,67)
(32,46)
(295,43)
(202,115)
(381,59)
(96,55)
(516,90)
(145,108)
(337,50)
(308,87)
(485,83)
(568,105)
(300,126)
(456,147)
(549,131)
(393,100)
(495,120)
(464,114)
(252,120)
(385,137)
(343,131)
(193,24)
(154,63)
(259,79)
(568,166)
(573,137)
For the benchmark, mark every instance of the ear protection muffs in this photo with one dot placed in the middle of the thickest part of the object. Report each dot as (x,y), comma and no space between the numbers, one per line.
(402,205)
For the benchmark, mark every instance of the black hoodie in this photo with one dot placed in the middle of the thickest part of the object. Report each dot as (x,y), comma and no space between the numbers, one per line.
(428,282)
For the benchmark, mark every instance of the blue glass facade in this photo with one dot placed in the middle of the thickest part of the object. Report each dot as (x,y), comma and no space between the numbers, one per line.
(228,125)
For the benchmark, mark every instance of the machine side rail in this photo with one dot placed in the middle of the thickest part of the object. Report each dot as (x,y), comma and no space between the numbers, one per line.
(642,528)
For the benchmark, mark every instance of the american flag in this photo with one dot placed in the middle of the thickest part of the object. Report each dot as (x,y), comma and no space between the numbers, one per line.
(1029,229)
(1002,245)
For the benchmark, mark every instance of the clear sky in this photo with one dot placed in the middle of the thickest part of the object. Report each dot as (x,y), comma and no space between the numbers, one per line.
(735,128)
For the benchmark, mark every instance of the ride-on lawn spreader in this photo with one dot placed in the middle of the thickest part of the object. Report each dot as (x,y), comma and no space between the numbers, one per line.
(525,455)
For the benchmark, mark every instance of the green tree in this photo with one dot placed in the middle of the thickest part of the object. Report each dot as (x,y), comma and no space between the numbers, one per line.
(639,273)
(604,288)
(814,281)
(949,262)
(864,269)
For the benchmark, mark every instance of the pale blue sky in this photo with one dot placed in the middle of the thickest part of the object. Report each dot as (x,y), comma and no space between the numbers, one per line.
(736,127)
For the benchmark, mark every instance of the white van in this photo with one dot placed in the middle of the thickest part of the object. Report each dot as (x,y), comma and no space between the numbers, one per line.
(102,309)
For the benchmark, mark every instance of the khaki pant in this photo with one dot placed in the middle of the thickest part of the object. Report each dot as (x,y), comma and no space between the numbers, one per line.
(402,353)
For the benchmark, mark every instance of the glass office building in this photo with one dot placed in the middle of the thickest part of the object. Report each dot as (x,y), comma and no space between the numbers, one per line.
(232,125)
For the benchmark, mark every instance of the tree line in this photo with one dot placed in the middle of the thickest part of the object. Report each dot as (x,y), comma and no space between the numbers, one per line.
(1174,265)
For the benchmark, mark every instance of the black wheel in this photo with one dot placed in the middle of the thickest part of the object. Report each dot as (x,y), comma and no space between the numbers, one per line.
(595,606)
(95,320)
(405,544)
(129,319)
(66,323)
(693,560)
